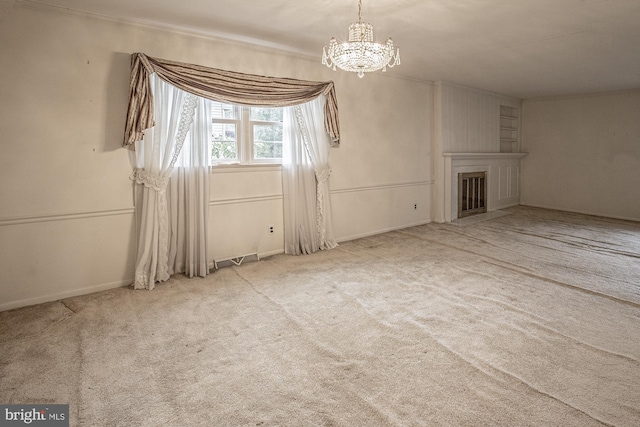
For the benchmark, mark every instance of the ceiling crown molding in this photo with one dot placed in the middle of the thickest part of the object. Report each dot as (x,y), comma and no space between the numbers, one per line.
(160,26)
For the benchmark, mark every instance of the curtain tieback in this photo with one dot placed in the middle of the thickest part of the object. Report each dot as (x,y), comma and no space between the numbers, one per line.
(158,183)
(323,174)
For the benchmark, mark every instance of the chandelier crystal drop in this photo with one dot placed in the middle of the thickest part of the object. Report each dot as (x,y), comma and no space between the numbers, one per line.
(360,54)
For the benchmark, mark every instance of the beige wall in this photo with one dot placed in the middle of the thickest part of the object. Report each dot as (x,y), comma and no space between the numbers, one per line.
(66,211)
(584,154)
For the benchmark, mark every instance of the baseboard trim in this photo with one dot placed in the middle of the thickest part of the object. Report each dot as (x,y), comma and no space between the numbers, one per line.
(270,253)
(67,294)
(385,230)
(260,256)
(590,213)
(504,206)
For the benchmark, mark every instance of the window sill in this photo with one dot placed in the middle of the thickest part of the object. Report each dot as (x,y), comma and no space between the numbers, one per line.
(240,168)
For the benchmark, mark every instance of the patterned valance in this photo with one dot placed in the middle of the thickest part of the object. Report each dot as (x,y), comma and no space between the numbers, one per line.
(223,86)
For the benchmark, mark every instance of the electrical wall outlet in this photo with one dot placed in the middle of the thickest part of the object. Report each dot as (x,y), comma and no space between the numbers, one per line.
(415,206)
(272,229)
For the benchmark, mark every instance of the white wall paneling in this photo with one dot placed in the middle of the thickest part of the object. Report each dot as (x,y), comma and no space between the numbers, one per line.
(502,178)
(509,179)
(468,121)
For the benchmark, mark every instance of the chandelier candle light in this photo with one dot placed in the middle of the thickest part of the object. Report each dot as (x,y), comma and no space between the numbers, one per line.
(360,54)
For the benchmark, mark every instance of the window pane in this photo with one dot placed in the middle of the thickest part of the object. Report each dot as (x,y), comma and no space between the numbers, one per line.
(222,111)
(266,114)
(267,141)
(224,141)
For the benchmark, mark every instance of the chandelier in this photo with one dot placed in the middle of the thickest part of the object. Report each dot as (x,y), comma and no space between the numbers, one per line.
(360,54)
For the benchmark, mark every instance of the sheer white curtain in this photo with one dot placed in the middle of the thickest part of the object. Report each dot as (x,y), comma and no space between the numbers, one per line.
(171,211)
(188,196)
(305,180)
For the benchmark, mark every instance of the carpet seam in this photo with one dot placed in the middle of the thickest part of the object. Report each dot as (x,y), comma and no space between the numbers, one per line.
(508,374)
(503,264)
(555,331)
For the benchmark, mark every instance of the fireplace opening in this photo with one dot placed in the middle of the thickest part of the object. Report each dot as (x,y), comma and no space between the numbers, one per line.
(472,193)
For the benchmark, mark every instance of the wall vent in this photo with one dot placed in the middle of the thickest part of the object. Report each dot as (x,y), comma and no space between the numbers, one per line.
(472,193)
(235,261)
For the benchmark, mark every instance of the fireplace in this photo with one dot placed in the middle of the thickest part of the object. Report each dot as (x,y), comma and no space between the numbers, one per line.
(497,186)
(472,193)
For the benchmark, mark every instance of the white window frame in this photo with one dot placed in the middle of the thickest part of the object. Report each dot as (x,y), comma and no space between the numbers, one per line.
(244,137)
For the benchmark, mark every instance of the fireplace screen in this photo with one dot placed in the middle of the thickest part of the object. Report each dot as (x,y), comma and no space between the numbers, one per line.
(472,193)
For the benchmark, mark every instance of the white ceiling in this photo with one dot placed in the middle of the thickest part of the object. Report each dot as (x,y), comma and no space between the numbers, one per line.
(521,48)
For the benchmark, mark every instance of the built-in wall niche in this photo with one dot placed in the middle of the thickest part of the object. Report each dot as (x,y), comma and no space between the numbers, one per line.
(509,129)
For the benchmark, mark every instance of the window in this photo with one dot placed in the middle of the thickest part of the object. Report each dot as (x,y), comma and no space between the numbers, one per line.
(246,135)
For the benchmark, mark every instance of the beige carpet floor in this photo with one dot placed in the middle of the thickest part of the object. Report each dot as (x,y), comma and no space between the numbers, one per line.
(528,319)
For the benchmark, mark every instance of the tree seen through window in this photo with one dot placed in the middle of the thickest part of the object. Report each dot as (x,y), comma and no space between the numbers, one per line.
(246,134)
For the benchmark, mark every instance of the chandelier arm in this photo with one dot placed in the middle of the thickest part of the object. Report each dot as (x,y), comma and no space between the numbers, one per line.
(360,54)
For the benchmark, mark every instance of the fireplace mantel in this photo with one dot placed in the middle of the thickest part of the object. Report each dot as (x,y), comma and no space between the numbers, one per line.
(503,178)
